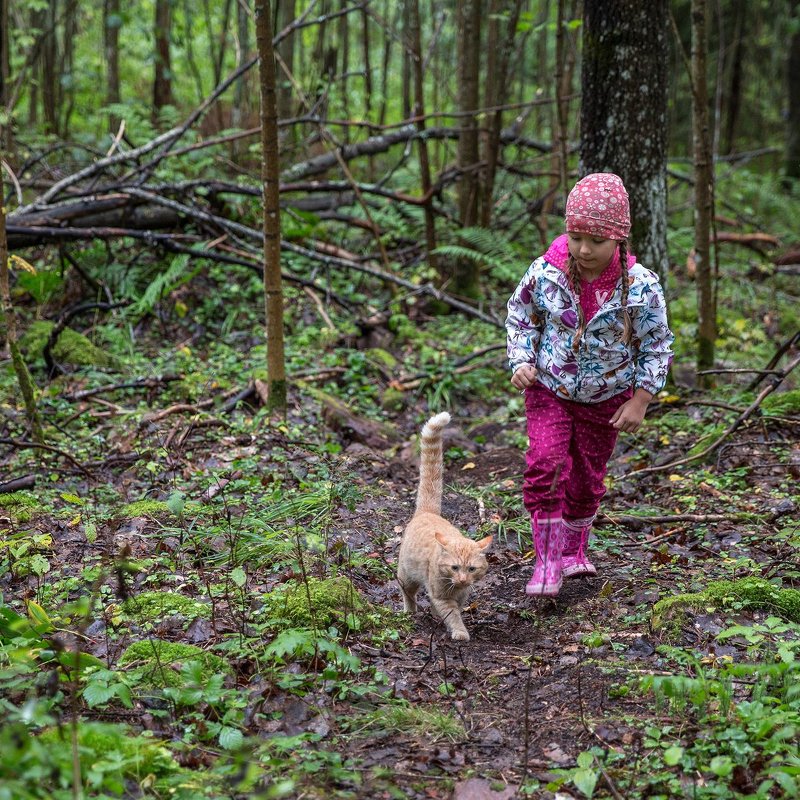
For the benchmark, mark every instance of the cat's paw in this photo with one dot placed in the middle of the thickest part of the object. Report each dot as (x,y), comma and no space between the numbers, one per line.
(459,636)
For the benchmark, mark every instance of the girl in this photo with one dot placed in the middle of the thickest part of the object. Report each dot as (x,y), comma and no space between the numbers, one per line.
(589,345)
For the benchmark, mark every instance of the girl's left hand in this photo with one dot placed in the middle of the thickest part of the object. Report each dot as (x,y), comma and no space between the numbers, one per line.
(630,414)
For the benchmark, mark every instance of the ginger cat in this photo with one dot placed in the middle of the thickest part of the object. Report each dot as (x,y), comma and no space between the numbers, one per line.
(434,553)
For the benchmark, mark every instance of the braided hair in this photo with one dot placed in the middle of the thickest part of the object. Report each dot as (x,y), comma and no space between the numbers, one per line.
(574,277)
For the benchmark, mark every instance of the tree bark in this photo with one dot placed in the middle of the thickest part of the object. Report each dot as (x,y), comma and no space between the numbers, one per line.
(469,51)
(270,172)
(703,178)
(793,90)
(624,112)
(5,73)
(732,97)
(286,13)
(415,38)
(499,49)
(49,81)
(112,21)
(162,81)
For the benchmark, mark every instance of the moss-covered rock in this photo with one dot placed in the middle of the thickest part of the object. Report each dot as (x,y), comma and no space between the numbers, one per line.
(156,663)
(21,506)
(332,601)
(754,593)
(154,606)
(146,508)
(71,347)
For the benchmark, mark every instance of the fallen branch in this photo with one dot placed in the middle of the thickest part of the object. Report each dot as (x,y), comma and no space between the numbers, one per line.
(23,444)
(141,383)
(698,519)
(18,484)
(749,411)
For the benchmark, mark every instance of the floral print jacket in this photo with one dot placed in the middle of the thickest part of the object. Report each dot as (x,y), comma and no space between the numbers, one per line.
(542,322)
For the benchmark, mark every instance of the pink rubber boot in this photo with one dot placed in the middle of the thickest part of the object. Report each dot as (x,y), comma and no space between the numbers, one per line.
(549,542)
(574,561)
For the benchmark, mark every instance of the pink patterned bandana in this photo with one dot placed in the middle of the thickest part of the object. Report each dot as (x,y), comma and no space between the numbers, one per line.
(598,205)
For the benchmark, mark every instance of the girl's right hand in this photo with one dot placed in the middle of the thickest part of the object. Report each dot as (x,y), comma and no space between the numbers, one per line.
(524,377)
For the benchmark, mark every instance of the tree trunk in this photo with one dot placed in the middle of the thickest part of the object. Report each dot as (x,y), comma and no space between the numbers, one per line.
(8,320)
(469,58)
(793,89)
(241,105)
(286,15)
(732,95)
(162,81)
(498,51)
(406,70)
(66,93)
(49,81)
(624,112)
(703,177)
(270,174)
(112,21)
(415,38)
(6,133)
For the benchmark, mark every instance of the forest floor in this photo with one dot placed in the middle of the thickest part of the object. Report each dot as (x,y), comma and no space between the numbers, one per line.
(541,681)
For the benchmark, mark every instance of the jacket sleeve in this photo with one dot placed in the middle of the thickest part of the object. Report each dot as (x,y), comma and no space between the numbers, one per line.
(653,339)
(524,323)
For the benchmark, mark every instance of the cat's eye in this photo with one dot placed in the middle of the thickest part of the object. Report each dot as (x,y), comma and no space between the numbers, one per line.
(472,569)
(455,567)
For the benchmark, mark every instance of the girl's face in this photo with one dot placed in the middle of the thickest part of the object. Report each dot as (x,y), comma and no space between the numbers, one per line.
(592,253)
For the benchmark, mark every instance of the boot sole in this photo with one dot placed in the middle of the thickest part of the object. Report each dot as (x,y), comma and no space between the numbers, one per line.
(542,590)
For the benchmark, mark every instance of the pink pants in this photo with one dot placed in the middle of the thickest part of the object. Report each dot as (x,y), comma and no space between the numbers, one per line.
(570,445)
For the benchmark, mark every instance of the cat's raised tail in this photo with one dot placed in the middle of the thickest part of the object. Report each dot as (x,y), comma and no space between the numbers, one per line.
(431,464)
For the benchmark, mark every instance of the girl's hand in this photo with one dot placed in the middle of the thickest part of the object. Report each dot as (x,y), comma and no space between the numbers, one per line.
(630,414)
(524,377)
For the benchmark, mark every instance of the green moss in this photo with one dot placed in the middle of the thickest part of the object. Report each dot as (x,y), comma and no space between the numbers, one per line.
(327,602)
(141,756)
(754,593)
(20,505)
(71,347)
(154,662)
(153,606)
(782,404)
(381,356)
(146,508)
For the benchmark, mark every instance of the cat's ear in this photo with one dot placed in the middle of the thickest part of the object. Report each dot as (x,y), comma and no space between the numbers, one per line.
(484,543)
(440,538)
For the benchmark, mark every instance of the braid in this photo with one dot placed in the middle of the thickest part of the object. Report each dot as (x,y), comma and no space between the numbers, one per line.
(627,333)
(574,276)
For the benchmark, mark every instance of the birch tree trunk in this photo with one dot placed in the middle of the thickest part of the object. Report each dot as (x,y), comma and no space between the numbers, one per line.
(703,178)
(270,175)
(624,112)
